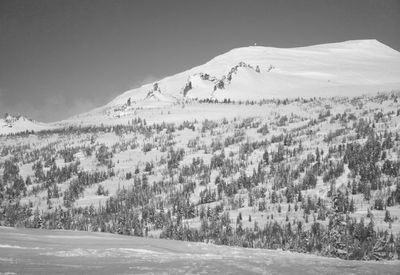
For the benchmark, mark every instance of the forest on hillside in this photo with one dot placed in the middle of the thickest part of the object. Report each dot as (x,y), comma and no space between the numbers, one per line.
(323,181)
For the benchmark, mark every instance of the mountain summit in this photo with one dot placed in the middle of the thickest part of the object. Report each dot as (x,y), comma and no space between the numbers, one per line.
(254,73)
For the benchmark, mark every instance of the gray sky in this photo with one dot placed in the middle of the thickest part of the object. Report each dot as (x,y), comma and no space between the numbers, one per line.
(59,58)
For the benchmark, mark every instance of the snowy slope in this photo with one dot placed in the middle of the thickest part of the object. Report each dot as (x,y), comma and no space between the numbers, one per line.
(68,252)
(14,124)
(347,68)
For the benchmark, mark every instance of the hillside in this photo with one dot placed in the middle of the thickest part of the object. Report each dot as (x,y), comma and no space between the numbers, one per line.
(293,170)
(311,171)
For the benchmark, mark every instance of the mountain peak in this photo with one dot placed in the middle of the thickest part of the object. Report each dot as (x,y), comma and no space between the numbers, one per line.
(349,68)
(346,68)
(11,124)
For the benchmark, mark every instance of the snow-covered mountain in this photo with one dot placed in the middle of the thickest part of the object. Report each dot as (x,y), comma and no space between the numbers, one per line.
(253,73)
(14,124)
(348,68)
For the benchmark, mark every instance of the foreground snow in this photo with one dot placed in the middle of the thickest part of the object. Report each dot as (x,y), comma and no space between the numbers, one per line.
(66,252)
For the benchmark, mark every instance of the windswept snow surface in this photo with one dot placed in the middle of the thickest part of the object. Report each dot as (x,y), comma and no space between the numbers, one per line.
(68,252)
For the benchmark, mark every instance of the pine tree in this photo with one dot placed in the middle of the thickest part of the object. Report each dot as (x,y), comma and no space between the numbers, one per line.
(387,216)
(351,206)
(266,157)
